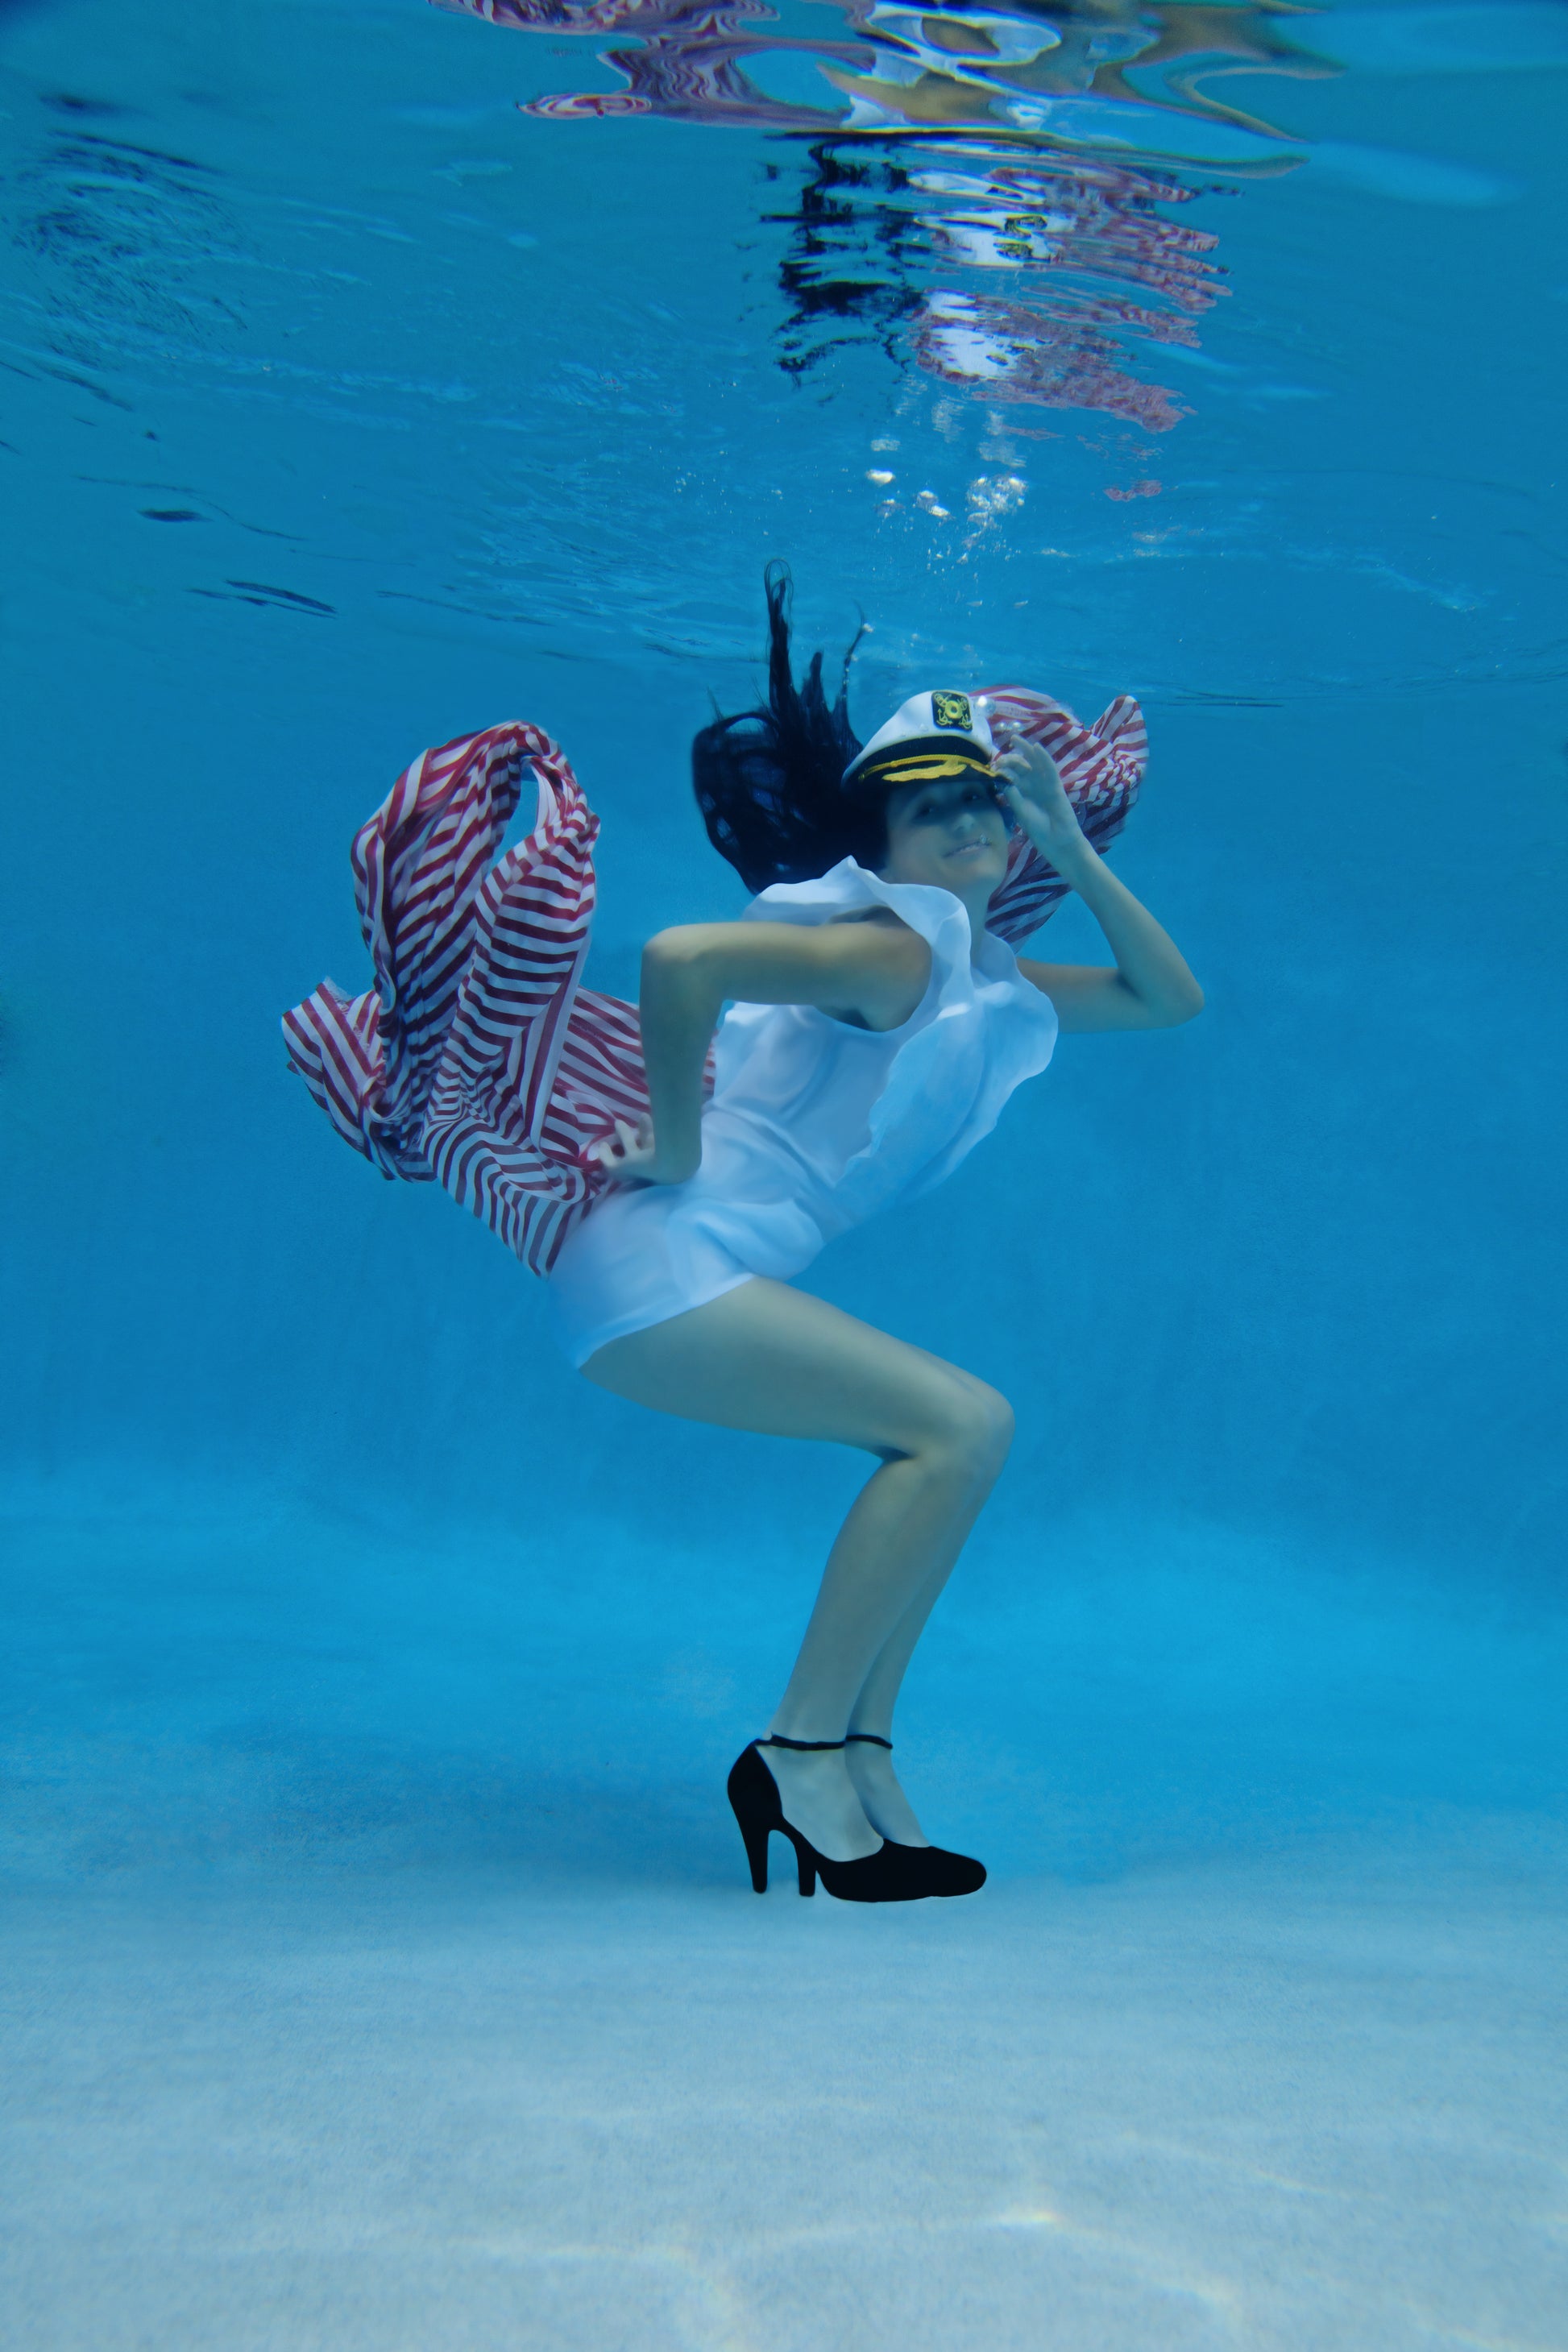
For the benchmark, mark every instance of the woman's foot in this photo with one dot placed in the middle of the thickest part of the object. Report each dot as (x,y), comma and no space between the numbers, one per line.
(888,1873)
(882,1801)
(818,1799)
(885,1804)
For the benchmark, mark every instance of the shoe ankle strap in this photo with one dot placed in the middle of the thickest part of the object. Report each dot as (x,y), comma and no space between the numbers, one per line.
(774,1740)
(868,1738)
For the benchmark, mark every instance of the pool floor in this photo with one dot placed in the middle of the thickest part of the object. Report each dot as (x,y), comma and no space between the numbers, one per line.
(1312,2109)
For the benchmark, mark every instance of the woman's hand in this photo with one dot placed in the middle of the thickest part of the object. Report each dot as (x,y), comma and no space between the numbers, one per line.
(1151,987)
(631,1156)
(1030,786)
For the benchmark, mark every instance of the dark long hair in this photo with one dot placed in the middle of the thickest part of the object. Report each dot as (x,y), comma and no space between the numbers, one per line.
(768,782)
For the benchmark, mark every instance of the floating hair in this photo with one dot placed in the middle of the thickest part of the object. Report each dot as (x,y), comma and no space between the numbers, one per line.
(769,781)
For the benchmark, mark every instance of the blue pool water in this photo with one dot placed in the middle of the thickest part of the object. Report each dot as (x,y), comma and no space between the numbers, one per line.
(383,1971)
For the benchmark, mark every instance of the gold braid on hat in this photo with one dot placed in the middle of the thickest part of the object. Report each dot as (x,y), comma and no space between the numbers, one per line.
(896,769)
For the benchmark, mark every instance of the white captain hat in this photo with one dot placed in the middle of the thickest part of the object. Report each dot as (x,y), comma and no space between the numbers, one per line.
(928,738)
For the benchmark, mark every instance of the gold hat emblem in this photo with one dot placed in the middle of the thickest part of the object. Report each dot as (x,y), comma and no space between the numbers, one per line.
(950,709)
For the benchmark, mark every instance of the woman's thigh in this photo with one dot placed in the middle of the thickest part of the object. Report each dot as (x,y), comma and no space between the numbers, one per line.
(766,1358)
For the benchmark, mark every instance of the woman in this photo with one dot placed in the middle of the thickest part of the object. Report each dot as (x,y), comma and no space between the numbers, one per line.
(877,1022)
(876,1029)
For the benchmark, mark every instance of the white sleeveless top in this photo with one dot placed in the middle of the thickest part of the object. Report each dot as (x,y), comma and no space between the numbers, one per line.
(814,1124)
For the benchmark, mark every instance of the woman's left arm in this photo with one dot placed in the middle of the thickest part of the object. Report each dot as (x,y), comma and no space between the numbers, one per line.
(1151,986)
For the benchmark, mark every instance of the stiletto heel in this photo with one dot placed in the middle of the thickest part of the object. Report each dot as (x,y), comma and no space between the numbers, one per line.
(894,1873)
(756,1852)
(754,1800)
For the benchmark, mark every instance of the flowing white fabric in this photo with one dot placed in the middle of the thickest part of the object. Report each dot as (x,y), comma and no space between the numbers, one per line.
(477,1056)
(814,1124)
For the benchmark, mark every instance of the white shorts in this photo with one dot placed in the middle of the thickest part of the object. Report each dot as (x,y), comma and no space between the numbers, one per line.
(647,1251)
(633,1262)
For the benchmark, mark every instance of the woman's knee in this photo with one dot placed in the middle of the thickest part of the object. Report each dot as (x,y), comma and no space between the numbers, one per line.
(976,1428)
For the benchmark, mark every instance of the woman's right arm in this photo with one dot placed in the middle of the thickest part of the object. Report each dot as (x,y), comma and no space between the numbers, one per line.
(877,971)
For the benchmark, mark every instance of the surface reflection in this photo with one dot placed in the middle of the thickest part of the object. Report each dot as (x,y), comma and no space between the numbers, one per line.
(1001,144)
(1091,259)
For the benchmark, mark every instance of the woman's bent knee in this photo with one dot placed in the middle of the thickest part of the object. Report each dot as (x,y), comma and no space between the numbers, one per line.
(999,1424)
(977,1428)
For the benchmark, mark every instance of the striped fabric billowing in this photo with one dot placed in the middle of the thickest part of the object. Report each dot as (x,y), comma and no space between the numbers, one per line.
(1101,767)
(536,1068)
(418,864)
(478,1058)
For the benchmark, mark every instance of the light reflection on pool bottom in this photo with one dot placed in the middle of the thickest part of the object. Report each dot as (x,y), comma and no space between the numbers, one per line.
(384,1969)
(1240,2105)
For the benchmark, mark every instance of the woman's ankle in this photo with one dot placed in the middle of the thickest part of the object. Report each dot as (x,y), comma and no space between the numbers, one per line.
(869,1765)
(820,1800)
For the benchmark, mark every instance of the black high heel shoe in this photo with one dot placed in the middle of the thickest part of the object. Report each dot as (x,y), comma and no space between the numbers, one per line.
(949,1874)
(894,1873)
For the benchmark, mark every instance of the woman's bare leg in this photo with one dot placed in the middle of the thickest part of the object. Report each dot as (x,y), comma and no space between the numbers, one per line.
(876,1784)
(773,1359)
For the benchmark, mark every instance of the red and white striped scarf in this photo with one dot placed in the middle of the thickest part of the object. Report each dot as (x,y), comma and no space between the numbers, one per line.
(478,1058)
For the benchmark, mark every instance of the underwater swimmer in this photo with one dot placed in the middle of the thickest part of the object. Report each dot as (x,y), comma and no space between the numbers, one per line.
(877,1020)
(875,1029)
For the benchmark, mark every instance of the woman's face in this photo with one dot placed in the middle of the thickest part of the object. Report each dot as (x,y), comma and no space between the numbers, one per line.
(950,834)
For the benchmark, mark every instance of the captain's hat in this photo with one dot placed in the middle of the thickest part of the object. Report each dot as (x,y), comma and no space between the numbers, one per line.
(928,739)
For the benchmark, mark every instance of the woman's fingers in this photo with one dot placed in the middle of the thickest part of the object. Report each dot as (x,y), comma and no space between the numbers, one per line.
(1031,761)
(620,1154)
(610,1149)
(1040,792)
